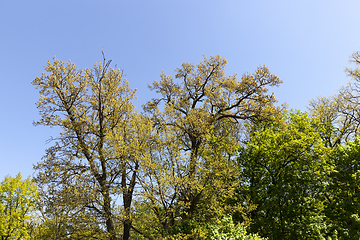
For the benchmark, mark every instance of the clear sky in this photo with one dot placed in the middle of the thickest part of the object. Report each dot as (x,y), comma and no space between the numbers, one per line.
(306,43)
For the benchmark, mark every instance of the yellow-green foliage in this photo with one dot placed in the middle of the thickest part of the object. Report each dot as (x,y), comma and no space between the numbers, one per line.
(17,201)
(191,171)
(100,145)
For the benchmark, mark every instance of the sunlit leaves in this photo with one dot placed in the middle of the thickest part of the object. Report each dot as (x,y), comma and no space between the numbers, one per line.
(17,201)
(197,120)
(285,170)
(87,163)
(344,196)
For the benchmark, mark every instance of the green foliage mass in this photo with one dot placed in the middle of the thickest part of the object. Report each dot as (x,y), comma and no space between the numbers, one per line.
(225,229)
(17,201)
(343,206)
(283,167)
(211,158)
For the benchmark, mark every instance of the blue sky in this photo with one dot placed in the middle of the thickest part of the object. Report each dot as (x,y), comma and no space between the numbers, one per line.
(306,43)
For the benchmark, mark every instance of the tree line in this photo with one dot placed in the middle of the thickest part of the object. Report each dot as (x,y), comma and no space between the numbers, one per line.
(213,157)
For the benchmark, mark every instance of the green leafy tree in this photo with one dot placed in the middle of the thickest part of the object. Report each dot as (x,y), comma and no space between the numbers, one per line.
(97,155)
(17,201)
(343,207)
(218,229)
(225,229)
(339,114)
(197,119)
(284,170)
(336,128)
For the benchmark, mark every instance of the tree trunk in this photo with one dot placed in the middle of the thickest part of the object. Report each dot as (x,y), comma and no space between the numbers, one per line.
(127,226)
(107,210)
(127,199)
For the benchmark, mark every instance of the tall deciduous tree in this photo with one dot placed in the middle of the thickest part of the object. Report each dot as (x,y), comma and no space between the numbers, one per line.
(197,118)
(338,124)
(349,105)
(93,108)
(340,113)
(336,128)
(17,200)
(343,205)
(284,167)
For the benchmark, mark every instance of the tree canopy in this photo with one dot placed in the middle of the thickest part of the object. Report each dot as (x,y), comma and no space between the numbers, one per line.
(17,202)
(97,154)
(197,118)
(213,156)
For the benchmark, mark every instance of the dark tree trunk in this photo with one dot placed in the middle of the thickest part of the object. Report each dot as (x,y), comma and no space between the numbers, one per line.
(107,210)
(127,198)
